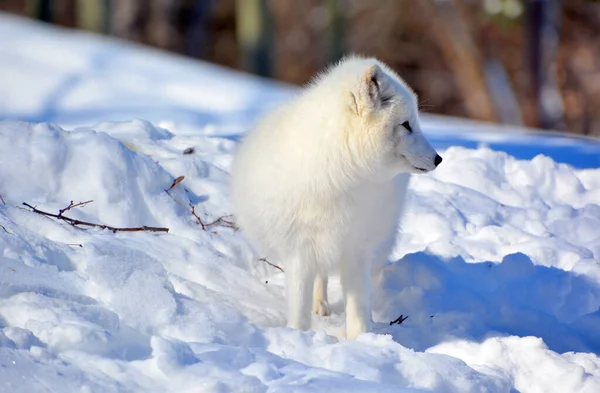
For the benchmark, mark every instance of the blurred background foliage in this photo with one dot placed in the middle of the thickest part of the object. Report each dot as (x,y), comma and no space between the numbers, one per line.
(525,62)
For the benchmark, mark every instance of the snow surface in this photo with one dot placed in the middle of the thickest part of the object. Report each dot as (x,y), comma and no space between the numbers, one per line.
(498,266)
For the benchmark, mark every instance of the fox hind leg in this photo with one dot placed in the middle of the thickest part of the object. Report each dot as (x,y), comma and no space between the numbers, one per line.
(320,303)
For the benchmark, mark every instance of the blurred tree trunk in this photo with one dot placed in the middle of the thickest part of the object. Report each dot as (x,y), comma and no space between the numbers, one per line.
(254,31)
(159,30)
(20,7)
(169,22)
(93,15)
(43,10)
(497,76)
(543,23)
(65,12)
(195,17)
(449,31)
(129,19)
(337,46)
(301,36)
(502,92)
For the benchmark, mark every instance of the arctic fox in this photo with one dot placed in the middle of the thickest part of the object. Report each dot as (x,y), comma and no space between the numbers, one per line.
(319,185)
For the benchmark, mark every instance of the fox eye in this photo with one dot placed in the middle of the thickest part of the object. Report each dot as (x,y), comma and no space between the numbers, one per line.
(407,126)
(386,100)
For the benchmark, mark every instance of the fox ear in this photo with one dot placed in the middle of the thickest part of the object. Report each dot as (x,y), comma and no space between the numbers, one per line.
(367,98)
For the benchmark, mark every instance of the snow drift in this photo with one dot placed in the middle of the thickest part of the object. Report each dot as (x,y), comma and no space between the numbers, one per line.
(498,270)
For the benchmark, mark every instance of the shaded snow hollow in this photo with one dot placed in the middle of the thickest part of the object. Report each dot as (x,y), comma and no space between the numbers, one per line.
(498,270)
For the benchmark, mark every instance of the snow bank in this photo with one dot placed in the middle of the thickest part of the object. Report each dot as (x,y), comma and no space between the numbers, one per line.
(532,366)
(498,270)
(72,77)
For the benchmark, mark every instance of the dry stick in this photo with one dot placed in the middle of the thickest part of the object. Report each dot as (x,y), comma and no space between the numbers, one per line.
(221,220)
(2,199)
(192,210)
(271,264)
(224,222)
(71,205)
(76,222)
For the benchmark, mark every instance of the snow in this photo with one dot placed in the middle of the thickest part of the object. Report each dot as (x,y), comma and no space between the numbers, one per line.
(497,267)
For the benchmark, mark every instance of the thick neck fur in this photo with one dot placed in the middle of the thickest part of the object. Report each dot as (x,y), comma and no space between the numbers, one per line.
(327,167)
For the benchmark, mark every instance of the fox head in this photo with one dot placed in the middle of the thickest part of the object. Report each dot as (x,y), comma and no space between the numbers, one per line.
(386,111)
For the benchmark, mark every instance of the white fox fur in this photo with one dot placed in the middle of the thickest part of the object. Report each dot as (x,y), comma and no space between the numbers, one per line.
(319,185)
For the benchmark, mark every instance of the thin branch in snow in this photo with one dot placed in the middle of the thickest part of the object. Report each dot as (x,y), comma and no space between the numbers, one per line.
(224,221)
(2,199)
(76,222)
(75,244)
(71,205)
(191,209)
(271,264)
(2,226)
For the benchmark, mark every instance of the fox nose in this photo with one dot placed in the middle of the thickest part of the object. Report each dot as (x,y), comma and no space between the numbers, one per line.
(437,160)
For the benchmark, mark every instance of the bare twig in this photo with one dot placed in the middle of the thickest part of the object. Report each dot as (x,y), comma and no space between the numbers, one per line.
(2,226)
(76,222)
(71,205)
(2,199)
(271,264)
(399,320)
(223,221)
(191,209)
